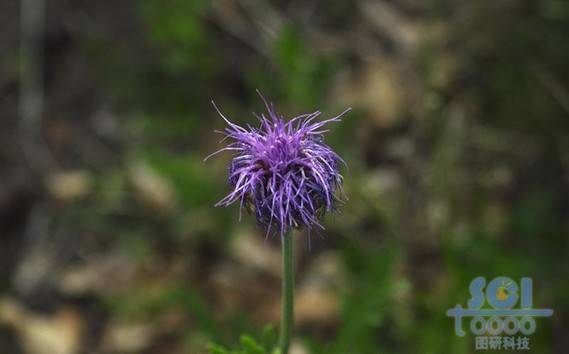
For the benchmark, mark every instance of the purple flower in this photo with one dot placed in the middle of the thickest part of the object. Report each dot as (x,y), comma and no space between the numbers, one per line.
(283,171)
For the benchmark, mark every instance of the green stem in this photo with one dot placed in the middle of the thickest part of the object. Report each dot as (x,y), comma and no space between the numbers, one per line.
(287,293)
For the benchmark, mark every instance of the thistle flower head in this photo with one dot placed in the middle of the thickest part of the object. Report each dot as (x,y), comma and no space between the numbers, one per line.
(282,170)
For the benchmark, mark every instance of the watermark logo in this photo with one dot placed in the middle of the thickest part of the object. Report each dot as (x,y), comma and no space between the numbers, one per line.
(495,320)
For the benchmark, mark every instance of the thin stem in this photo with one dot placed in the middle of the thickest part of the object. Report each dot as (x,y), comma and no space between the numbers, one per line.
(287,293)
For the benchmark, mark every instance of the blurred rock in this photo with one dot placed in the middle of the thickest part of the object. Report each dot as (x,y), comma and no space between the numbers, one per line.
(237,286)
(381,181)
(315,305)
(251,250)
(104,122)
(297,347)
(325,270)
(152,189)
(69,185)
(382,188)
(58,333)
(100,275)
(377,87)
(400,149)
(317,297)
(127,337)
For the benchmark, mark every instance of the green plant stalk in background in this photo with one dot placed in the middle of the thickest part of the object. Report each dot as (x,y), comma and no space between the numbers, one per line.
(287,293)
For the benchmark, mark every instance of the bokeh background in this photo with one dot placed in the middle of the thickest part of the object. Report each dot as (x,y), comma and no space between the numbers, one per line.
(457,147)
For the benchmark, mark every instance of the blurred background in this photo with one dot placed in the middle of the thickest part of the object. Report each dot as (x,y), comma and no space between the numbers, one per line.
(457,147)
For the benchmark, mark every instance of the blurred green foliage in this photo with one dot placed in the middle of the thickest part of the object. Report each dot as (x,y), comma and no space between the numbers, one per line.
(249,345)
(300,76)
(504,84)
(176,28)
(502,109)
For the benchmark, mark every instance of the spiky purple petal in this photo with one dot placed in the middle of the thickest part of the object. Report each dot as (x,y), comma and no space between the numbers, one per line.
(283,170)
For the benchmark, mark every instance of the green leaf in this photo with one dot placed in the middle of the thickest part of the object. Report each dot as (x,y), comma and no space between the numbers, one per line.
(250,345)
